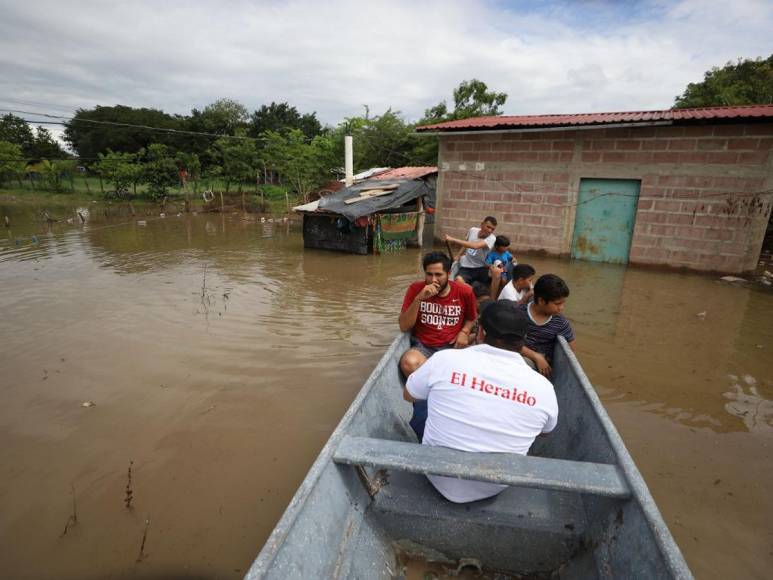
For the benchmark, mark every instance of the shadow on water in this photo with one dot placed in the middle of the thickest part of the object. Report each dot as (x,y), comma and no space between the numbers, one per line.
(220,355)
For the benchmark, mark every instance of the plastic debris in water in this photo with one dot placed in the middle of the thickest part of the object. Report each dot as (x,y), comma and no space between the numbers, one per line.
(142,223)
(701,315)
(88,404)
(732,279)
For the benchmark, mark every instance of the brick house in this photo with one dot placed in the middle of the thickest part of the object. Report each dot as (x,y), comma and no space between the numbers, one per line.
(688,188)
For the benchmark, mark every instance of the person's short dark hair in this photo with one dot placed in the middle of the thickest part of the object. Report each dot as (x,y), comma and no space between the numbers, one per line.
(436,258)
(501,241)
(490,219)
(550,288)
(523,271)
(505,323)
(480,289)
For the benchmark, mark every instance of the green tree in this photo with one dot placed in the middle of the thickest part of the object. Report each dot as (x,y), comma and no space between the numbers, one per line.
(303,165)
(745,82)
(11,162)
(238,160)
(280,118)
(123,170)
(471,99)
(45,146)
(16,130)
(223,117)
(91,132)
(160,171)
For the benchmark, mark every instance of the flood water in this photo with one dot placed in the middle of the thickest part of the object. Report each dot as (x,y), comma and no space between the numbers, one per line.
(220,355)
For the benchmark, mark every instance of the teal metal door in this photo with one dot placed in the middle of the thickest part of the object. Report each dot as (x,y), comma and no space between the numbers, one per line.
(606,213)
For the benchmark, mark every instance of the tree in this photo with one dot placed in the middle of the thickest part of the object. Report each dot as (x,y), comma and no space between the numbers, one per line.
(15,130)
(160,169)
(746,82)
(11,162)
(90,132)
(121,169)
(471,99)
(223,117)
(304,165)
(280,118)
(45,146)
(238,160)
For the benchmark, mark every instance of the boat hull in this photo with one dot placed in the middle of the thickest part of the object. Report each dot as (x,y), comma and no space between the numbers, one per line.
(578,508)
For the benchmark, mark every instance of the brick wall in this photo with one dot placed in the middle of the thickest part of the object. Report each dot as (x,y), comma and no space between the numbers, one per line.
(689,214)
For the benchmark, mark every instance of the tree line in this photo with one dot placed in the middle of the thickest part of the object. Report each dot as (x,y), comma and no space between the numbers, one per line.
(223,142)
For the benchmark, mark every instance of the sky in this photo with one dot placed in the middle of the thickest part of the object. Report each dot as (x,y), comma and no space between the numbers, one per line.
(334,57)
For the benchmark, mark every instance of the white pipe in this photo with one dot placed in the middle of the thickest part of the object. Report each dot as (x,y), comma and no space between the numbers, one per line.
(349,160)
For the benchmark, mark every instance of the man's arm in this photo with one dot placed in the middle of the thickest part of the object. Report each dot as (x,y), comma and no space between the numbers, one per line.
(463,338)
(407,318)
(496,280)
(477,244)
(573,345)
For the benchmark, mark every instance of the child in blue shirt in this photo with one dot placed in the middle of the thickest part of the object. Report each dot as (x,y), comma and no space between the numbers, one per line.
(501,257)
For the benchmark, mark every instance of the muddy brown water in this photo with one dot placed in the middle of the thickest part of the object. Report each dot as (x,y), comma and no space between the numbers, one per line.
(220,356)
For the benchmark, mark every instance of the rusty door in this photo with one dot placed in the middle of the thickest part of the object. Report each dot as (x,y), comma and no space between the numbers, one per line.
(606,213)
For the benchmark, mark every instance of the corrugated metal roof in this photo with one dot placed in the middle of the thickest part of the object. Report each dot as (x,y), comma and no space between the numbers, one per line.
(406,173)
(758,112)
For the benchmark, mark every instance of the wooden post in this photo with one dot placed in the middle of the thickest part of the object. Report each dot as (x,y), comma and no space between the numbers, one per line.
(244,210)
(222,205)
(188,200)
(101,185)
(287,202)
(420,222)
(88,187)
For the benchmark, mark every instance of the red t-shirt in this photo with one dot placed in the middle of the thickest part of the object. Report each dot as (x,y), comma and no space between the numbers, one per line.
(441,318)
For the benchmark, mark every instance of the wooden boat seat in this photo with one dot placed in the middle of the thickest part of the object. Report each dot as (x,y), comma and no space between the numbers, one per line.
(503,468)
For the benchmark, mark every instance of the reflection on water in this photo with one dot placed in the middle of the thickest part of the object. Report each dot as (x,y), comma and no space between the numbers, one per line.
(221,354)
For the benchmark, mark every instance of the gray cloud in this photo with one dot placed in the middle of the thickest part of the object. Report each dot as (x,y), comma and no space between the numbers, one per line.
(334,57)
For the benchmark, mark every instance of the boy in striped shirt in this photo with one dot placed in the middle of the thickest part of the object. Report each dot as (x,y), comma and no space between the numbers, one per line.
(546,322)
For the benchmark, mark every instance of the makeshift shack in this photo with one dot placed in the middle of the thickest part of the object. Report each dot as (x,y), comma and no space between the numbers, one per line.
(387,211)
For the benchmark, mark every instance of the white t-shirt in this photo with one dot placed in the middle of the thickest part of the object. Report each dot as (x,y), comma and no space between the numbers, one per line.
(510,293)
(477,258)
(481,399)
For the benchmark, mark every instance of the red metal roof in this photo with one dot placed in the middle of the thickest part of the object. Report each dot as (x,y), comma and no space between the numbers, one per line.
(406,173)
(584,119)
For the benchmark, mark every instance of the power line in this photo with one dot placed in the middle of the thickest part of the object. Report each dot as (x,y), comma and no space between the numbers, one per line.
(64,120)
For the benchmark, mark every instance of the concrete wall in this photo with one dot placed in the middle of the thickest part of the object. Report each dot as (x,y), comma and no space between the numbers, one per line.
(689,214)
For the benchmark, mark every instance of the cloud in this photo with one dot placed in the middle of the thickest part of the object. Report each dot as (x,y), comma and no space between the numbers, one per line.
(335,57)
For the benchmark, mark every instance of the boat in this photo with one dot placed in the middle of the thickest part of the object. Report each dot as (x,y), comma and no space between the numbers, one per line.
(577,506)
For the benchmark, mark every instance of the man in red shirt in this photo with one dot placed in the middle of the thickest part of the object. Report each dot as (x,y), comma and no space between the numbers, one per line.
(439,313)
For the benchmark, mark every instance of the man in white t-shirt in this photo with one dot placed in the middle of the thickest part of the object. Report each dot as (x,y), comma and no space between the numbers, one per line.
(484,398)
(521,288)
(472,256)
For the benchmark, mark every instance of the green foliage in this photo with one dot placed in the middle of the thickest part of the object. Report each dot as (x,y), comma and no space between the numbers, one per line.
(746,82)
(238,160)
(123,170)
(273,192)
(223,117)
(160,170)
(471,99)
(280,118)
(34,145)
(15,130)
(305,165)
(88,134)
(11,166)
(53,173)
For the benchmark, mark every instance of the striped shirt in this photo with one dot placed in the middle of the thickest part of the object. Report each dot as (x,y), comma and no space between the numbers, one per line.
(541,338)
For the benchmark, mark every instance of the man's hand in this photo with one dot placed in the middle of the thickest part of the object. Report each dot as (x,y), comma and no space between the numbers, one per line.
(542,364)
(429,291)
(462,339)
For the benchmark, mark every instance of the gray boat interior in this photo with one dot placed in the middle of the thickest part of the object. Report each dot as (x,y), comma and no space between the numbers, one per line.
(577,506)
